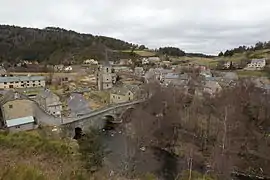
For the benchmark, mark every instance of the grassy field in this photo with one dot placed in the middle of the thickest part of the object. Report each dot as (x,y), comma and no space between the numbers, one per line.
(141,52)
(243,73)
(36,155)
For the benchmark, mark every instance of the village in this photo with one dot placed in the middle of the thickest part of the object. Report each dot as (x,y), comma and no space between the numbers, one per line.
(34,94)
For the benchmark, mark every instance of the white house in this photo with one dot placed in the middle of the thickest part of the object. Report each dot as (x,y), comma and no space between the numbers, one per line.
(68,68)
(145,61)
(90,61)
(257,63)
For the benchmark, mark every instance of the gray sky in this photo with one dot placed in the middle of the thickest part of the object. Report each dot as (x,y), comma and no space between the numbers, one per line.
(207,26)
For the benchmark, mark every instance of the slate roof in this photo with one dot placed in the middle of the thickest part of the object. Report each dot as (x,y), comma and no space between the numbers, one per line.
(78,104)
(21,78)
(8,96)
(123,90)
(171,76)
(19,121)
(255,61)
(230,75)
(45,93)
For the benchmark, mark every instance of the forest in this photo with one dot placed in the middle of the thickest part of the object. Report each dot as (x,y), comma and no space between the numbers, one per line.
(242,49)
(53,44)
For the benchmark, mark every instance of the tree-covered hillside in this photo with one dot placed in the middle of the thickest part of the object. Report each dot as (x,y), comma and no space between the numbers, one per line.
(53,44)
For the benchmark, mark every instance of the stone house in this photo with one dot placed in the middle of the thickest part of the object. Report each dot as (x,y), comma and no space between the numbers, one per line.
(138,71)
(50,102)
(257,64)
(124,94)
(17,82)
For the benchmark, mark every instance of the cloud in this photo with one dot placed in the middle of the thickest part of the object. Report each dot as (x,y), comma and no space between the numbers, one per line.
(207,26)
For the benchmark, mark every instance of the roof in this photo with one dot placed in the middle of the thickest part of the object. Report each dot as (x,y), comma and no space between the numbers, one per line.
(8,96)
(46,93)
(125,89)
(171,76)
(21,78)
(78,104)
(230,75)
(258,61)
(20,121)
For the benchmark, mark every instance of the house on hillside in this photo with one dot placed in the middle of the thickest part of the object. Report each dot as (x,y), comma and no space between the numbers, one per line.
(17,82)
(68,68)
(154,59)
(145,61)
(17,113)
(78,105)
(138,71)
(124,94)
(50,102)
(59,67)
(90,62)
(257,64)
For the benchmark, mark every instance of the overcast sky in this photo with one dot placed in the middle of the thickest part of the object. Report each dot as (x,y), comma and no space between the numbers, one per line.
(206,26)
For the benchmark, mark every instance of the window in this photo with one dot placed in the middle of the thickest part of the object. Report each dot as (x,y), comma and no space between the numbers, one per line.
(34,85)
(33,81)
(107,85)
(118,97)
(21,81)
(17,82)
(17,127)
(11,82)
(113,96)
(107,69)
(39,81)
(39,84)
(10,106)
(129,93)
(27,81)
(28,85)
(5,82)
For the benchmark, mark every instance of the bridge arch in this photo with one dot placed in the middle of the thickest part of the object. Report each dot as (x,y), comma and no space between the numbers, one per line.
(78,133)
(109,122)
(126,115)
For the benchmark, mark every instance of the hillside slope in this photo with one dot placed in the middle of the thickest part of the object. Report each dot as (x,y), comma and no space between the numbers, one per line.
(53,44)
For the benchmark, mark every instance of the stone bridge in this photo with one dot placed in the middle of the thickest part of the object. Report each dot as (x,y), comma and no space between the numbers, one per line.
(97,118)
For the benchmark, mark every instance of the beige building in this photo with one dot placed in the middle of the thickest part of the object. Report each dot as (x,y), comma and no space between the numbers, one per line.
(17,82)
(124,94)
(17,108)
(105,77)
